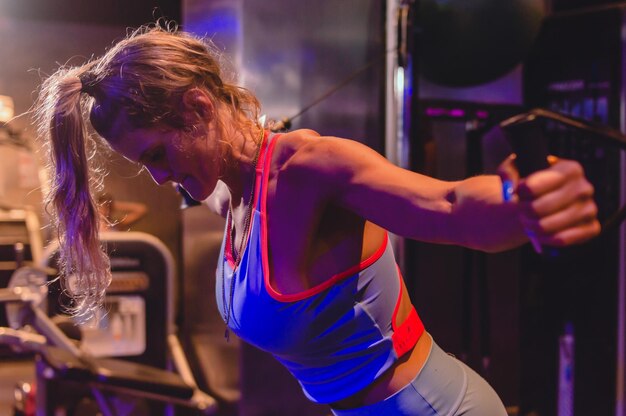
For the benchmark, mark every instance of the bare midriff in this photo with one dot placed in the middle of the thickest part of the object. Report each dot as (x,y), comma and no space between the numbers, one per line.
(393,380)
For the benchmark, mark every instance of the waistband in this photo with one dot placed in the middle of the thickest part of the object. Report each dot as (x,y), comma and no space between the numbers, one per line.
(438,389)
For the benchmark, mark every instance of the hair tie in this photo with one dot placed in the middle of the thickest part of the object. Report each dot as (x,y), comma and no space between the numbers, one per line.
(87,82)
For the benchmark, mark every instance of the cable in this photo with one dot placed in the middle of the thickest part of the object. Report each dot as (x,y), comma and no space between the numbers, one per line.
(285,123)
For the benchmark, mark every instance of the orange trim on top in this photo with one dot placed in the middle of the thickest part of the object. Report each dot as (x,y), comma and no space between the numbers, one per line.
(228,250)
(263,216)
(260,166)
(399,300)
(265,258)
(326,284)
(405,335)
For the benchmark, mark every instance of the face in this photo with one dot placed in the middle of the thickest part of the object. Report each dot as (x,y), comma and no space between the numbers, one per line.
(171,156)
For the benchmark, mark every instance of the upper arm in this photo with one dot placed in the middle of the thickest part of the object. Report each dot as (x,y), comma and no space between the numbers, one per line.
(357,178)
(469,212)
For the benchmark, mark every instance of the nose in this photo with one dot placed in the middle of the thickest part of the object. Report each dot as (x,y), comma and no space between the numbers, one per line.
(160,176)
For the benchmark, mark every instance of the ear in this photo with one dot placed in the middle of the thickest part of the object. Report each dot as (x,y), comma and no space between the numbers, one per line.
(197,103)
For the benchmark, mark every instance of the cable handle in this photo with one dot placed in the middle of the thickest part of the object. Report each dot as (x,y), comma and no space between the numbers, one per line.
(529,144)
(525,135)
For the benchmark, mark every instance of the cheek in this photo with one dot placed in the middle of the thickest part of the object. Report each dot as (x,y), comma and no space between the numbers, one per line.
(183,152)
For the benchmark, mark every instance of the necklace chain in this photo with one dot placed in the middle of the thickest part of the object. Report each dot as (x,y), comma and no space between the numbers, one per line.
(228,306)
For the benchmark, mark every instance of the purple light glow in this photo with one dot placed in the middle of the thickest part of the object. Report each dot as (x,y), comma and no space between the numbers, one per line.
(435,112)
(482,114)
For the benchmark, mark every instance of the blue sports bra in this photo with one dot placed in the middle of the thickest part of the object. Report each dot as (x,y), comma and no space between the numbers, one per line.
(335,338)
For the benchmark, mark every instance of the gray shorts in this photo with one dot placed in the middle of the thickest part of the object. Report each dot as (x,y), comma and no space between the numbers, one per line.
(444,387)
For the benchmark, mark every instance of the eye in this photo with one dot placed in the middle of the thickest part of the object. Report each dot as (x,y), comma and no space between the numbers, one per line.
(153,156)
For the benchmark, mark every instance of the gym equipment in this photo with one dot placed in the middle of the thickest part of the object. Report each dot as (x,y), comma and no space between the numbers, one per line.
(20,244)
(61,359)
(138,322)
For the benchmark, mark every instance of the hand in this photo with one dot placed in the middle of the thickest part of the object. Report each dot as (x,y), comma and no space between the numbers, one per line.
(556,206)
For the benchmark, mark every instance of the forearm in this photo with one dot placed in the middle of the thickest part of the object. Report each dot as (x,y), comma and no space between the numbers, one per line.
(482,220)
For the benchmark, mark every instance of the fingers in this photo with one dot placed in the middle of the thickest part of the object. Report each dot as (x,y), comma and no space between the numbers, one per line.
(574,224)
(547,180)
(551,191)
(573,234)
(557,206)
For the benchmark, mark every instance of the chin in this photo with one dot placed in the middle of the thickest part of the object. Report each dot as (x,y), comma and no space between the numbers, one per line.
(198,196)
(196,191)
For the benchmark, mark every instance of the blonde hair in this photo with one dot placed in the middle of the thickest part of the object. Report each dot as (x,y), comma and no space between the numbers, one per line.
(137,83)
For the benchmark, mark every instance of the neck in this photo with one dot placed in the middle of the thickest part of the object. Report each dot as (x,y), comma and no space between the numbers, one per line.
(240,161)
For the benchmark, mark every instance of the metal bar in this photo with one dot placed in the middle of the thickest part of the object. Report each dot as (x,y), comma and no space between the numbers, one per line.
(47,328)
(18,294)
(590,9)
(180,361)
(620,382)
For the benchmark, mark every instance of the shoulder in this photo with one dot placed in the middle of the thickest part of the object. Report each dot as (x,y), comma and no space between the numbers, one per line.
(306,150)
(305,159)
(292,142)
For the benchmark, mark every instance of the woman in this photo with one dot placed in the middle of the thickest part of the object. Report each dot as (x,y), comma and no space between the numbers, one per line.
(306,271)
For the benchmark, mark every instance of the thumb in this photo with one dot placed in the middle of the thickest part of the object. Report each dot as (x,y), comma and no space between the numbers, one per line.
(509,175)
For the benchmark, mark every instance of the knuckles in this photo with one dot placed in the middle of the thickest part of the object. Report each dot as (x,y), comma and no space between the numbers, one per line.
(569,169)
(575,219)
(592,212)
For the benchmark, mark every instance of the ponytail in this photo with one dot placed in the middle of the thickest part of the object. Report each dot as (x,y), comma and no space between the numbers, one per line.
(84,268)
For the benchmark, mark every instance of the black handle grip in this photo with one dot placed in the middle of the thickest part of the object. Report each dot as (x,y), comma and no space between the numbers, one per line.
(528,142)
(525,134)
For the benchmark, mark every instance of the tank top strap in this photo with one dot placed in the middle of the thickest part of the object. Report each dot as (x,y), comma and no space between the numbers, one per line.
(263,168)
